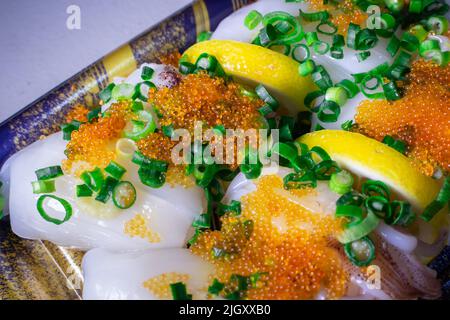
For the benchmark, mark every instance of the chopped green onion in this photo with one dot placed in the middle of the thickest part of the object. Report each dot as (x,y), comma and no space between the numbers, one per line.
(331,30)
(376,188)
(216,287)
(287,152)
(202,221)
(251,170)
(152,177)
(265,110)
(300,53)
(298,181)
(204,36)
(391,91)
(282,27)
(379,206)
(93,179)
(400,66)
(311,97)
(307,67)
(47,173)
(124,195)
(360,252)
(323,170)
(234,207)
(398,145)
(186,68)
(295,35)
(321,47)
(393,45)
(206,62)
(361,56)
(141,90)
(139,129)
(366,39)
(336,94)
(419,32)
(415,6)
(439,203)
(168,131)
(68,128)
(349,86)
(123,91)
(365,85)
(395,5)
(137,106)
(409,42)
(362,229)
(115,170)
(352,33)
(106,191)
(328,111)
(350,212)
(93,114)
(264,95)
(401,214)
(253,19)
(286,127)
(179,291)
(386,21)
(66,205)
(437,24)
(430,49)
(315,16)
(341,182)
(350,198)
(319,154)
(83,191)
(321,78)
(267,35)
(311,38)
(106,94)
(347,125)
(147,73)
(336,52)
(43,186)
(338,41)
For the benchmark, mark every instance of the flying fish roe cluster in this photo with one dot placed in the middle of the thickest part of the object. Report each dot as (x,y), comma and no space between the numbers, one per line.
(421,118)
(77,113)
(212,101)
(288,245)
(342,15)
(160,285)
(138,227)
(94,143)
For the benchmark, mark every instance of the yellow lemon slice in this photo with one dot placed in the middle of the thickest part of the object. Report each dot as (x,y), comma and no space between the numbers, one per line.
(253,64)
(369,158)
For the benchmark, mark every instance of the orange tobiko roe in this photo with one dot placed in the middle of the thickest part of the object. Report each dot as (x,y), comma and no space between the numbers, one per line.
(77,113)
(93,144)
(421,118)
(213,101)
(200,98)
(342,15)
(286,244)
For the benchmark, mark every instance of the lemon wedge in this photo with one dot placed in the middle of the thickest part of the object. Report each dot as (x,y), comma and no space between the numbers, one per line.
(371,159)
(252,64)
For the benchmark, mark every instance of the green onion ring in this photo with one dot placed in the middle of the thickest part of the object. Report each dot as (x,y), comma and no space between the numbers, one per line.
(43,213)
(349,250)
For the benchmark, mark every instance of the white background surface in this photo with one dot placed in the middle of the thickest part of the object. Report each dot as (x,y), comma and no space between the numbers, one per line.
(38,52)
